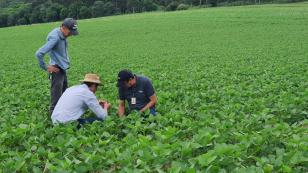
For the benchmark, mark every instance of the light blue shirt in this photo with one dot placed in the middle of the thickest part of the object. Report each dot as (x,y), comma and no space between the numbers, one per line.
(56,47)
(73,104)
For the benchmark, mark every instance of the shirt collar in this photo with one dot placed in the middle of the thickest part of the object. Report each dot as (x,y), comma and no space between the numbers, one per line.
(84,86)
(61,34)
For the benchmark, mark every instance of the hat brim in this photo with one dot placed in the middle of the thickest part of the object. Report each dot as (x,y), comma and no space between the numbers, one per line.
(91,81)
(74,32)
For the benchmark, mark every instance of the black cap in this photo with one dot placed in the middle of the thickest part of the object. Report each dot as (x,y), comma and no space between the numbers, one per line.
(71,24)
(124,75)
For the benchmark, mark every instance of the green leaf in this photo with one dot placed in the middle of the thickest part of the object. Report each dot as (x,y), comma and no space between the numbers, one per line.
(206,159)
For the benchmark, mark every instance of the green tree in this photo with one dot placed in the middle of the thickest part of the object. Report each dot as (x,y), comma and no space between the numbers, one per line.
(24,12)
(109,8)
(74,10)
(133,6)
(53,12)
(22,21)
(98,9)
(149,5)
(35,16)
(64,13)
(172,6)
(85,12)
(3,20)
(212,3)
(12,19)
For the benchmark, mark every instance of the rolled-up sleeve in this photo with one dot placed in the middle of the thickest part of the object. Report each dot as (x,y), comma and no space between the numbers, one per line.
(149,89)
(51,42)
(93,104)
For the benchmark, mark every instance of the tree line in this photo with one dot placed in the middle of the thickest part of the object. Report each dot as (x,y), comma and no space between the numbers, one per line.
(21,12)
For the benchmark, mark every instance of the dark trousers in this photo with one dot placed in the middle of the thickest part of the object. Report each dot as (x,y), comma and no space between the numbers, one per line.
(58,86)
(89,120)
(153,111)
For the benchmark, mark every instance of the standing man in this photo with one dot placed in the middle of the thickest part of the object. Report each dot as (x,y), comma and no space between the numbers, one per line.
(137,90)
(56,47)
(77,99)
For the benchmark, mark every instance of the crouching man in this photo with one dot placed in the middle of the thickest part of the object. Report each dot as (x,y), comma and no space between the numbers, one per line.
(138,91)
(77,99)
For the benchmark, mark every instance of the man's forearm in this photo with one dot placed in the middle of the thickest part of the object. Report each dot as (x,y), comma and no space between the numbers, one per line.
(99,111)
(102,115)
(121,111)
(52,41)
(40,58)
(149,105)
(121,108)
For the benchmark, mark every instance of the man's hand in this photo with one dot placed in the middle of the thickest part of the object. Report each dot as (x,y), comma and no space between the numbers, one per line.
(153,100)
(107,105)
(142,110)
(121,109)
(104,104)
(52,69)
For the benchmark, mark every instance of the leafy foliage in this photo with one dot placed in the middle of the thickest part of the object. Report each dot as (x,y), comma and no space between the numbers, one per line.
(22,12)
(231,84)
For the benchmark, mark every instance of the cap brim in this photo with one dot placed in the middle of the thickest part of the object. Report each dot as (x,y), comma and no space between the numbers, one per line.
(74,32)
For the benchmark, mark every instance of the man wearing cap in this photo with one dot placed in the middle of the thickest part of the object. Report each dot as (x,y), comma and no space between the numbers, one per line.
(137,90)
(56,47)
(77,99)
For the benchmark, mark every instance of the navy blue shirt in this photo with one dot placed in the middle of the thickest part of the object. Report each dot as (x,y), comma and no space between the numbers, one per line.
(142,91)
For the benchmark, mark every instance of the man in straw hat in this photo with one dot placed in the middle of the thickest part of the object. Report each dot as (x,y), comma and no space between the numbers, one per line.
(75,100)
(56,47)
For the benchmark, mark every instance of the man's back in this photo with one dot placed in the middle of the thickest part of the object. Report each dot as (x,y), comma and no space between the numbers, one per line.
(58,53)
(72,104)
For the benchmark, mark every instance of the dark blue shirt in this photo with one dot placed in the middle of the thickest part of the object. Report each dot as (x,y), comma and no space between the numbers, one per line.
(142,91)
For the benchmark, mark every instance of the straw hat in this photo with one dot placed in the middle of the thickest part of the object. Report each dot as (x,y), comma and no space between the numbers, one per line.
(93,78)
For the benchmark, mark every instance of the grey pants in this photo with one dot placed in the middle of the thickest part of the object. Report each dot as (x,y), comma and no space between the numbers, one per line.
(58,86)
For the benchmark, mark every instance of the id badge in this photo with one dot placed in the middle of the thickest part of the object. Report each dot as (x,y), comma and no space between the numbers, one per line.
(133,101)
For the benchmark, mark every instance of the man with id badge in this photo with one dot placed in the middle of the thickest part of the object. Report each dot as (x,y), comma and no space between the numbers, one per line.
(138,91)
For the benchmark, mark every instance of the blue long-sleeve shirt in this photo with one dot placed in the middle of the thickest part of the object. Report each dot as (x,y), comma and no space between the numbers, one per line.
(56,47)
